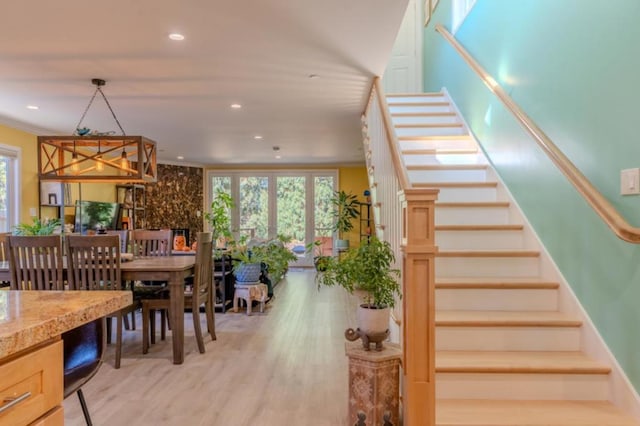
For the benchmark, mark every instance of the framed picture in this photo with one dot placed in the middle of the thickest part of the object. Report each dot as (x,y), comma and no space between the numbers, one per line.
(47,189)
(427,10)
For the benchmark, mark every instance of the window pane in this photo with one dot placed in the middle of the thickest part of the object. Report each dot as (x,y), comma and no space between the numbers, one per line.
(254,211)
(291,208)
(323,212)
(4,194)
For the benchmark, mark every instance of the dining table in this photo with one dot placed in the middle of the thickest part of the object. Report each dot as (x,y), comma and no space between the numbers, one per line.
(172,269)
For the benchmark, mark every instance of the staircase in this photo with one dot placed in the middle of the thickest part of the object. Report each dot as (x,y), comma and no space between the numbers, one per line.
(508,350)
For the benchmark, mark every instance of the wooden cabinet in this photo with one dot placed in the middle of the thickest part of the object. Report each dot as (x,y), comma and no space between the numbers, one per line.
(133,201)
(31,386)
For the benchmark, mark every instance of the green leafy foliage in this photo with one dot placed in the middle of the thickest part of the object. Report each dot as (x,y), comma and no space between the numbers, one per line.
(219,215)
(39,227)
(366,268)
(346,206)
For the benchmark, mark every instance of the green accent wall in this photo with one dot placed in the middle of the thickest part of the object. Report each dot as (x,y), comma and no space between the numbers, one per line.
(574,67)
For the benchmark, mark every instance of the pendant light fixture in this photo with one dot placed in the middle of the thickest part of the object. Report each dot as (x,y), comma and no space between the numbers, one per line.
(93,156)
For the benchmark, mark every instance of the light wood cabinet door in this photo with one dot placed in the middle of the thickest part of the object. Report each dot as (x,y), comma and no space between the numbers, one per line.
(31,385)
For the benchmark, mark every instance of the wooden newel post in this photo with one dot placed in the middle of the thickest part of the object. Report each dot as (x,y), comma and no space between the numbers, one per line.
(418,306)
(374,385)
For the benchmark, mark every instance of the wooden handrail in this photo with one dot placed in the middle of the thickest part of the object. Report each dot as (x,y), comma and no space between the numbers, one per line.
(596,200)
(401,173)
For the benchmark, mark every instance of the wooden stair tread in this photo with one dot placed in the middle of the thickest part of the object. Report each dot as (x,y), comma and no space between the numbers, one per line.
(474,412)
(464,138)
(427,125)
(431,151)
(514,227)
(541,362)
(488,253)
(424,114)
(474,204)
(456,184)
(418,104)
(501,285)
(448,167)
(505,319)
(414,95)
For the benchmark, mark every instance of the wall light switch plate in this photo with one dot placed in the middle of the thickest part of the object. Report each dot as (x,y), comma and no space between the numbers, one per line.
(630,181)
(33,212)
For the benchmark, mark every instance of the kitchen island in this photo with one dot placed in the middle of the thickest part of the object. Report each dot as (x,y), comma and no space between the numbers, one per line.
(31,366)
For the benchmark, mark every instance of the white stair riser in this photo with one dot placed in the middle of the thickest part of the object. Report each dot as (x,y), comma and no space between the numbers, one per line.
(420,108)
(471,216)
(415,99)
(435,143)
(431,159)
(472,175)
(479,240)
(464,194)
(430,131)
(488,267)
(522,386)
(425,119)
(497,299)
(507,338)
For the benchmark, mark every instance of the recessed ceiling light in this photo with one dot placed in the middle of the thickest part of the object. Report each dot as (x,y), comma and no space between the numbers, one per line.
(180,157)
(236,106)
(32,107)
(176,36)
(314,76)
(257,137)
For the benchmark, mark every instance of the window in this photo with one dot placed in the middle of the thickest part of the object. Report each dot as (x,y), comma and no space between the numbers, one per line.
(461,9)
(292,203)
(9,184)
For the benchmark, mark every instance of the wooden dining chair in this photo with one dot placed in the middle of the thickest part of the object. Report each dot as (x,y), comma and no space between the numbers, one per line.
(4,253)
(93,263)
(35,263)
(200,294)
(147,242)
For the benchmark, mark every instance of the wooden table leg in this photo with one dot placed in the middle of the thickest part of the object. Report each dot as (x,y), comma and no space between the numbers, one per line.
(176,313)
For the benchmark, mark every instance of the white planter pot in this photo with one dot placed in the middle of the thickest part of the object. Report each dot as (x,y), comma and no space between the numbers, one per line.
(372,321)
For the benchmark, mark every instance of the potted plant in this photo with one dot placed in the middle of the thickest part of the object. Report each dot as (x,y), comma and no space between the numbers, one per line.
(39,227)
(247,263)
(346,209)
(219,218)
(367,268)
(319,259)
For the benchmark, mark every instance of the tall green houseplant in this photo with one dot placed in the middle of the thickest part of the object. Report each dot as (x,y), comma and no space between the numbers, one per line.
(346,210)
(219,215)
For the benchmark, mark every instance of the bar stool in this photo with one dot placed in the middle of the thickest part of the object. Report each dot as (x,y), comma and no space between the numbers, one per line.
(250,291)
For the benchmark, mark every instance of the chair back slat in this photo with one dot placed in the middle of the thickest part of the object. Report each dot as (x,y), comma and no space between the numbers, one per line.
(203,277)
(94,262)
(145,242)
(35,262)
(124,238)
(4,250)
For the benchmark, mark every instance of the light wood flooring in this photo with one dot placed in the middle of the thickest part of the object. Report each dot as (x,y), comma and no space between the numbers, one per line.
(285,366)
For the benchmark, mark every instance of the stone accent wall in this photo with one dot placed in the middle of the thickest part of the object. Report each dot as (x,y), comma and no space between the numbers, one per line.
(173,201)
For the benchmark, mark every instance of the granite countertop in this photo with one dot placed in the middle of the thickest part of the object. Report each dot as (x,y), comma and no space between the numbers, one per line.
(31,317)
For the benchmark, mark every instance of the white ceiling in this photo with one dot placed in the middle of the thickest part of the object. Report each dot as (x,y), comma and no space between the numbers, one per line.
(258,53)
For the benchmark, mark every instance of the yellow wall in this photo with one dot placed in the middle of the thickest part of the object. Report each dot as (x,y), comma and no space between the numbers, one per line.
(28,144)
(29,168)
(354,180)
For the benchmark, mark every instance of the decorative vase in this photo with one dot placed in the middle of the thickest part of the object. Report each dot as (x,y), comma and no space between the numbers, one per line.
(371,320)
(248,272)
